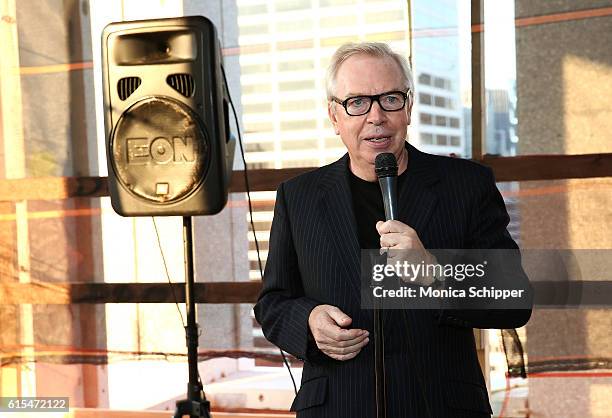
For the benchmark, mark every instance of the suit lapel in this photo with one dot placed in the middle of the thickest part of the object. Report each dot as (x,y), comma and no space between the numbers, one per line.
(416,199)
(337,212)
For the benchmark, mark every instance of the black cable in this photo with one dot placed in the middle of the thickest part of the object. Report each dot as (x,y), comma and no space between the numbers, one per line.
(248,191)
(167,272)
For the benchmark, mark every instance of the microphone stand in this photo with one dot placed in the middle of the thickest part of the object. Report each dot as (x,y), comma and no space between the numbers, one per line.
(196,405)
(386,171)
(379,363)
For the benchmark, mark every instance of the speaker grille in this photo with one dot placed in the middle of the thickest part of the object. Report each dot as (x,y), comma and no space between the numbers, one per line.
(160,152)
(183,83)
(127,85)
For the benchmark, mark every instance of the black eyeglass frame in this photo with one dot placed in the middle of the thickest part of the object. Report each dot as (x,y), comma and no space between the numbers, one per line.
(373,98)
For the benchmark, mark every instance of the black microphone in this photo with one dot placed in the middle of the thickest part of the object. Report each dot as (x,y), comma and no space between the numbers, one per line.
(385,167)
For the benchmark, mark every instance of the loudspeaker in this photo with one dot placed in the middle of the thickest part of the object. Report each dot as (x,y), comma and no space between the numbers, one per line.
(166,117)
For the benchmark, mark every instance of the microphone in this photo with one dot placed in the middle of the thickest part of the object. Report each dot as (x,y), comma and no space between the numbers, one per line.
(385,167)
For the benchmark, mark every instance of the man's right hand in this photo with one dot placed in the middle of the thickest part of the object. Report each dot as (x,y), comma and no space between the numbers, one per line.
(328,327)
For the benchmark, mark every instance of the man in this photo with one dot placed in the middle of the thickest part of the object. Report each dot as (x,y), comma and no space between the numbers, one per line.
(310,302)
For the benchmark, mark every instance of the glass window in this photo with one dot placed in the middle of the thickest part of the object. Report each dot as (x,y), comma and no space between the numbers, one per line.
(289,5)
(440,120)
(332,21)
(385,17)
(296,85)
(328,3)
(256,166)
(259,146)
(425,98)
(333,142)
(575,120)
(385,36)
(298,105)
(256,68)
(441,58)
(336,40)
(293,45)
(296,65)
(441,140)
(257,107)
(440,101)
(253,30)
(258,126)
(252,9)
(301,162)
(425,118)
(308,144)
(294,25)
(256,88)
(299,125)
(425,79)
(426,138)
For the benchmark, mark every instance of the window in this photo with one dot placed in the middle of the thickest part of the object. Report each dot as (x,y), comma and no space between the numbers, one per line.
(440,101)
(337,40)
(294,25)
(328,3)
(426,139)
(293,45)
(385,17)
(259,146)
(296,65)
(439,83)
(256,88)
(425,98)
(307,105)
(307,144)
(288,5)
(255,68)
(425,118)
(425,79)
(252,9)
(332,21)
(258,127)
(298,125)
(333,142)
(257,108)
(253,30)
(441,140)
(440,120)
(296,85)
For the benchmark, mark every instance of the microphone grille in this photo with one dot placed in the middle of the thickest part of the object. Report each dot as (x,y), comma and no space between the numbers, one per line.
(385,165)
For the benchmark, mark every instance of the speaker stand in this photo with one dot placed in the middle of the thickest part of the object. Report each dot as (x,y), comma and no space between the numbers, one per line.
(196,405)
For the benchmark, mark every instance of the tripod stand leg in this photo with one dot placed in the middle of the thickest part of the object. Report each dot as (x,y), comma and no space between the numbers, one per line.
(194,406)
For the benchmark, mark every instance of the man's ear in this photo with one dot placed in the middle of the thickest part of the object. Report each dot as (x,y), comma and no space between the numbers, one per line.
(331,112)
(409,108)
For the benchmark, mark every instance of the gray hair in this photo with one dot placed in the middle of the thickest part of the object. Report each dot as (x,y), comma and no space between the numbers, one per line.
(375,49)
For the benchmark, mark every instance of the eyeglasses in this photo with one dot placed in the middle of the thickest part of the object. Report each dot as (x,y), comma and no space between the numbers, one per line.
(391,101)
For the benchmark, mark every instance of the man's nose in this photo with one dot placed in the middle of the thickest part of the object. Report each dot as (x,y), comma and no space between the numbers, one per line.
(376,115)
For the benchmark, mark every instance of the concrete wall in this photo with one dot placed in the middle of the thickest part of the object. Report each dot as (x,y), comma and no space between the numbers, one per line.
(564,82)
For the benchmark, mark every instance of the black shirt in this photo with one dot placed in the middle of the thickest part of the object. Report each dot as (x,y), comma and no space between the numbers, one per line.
(369,209)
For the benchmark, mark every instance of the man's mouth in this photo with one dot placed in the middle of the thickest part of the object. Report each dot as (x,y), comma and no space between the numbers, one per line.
(378,139)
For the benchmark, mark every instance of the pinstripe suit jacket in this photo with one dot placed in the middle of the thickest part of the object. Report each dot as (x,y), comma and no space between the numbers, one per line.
(432,368)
